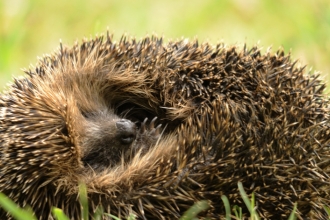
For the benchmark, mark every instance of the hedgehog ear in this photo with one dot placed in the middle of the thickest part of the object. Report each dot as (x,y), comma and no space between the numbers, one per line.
(65,131)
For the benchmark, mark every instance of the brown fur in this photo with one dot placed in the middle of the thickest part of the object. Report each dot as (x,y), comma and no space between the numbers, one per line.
(231,115)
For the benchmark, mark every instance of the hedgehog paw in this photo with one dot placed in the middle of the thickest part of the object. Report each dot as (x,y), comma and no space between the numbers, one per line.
(147,135)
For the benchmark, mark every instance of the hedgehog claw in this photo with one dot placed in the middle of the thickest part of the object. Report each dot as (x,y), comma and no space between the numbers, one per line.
(152,123)
(158,130)
(151,126)
(143,126)
(149,131)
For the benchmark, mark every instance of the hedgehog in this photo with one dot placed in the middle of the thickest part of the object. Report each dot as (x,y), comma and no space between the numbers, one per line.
(230,114)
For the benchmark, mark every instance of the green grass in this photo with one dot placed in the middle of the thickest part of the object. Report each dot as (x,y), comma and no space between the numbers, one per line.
(14,210)
(190,214)
(31,28)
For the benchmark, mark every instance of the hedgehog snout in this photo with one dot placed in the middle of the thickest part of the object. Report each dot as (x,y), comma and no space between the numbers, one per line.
(126,130)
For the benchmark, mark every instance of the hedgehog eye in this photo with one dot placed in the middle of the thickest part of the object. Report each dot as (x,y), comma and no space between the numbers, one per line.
(84,114)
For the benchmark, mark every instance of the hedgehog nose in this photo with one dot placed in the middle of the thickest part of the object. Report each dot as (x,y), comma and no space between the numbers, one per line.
(126,131)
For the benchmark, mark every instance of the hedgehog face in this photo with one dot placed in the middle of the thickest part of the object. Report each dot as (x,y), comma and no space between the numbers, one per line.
(105,139)
(84,120)
(101,137)
(106,134)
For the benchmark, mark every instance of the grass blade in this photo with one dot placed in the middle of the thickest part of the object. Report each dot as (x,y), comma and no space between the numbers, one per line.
(227,206)
(59,214)
(17,212)
(193,211)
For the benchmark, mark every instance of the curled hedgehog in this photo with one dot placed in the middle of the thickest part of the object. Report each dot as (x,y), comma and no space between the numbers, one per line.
(228,115)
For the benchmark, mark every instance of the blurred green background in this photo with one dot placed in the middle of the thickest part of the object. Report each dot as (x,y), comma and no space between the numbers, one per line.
(31,28)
